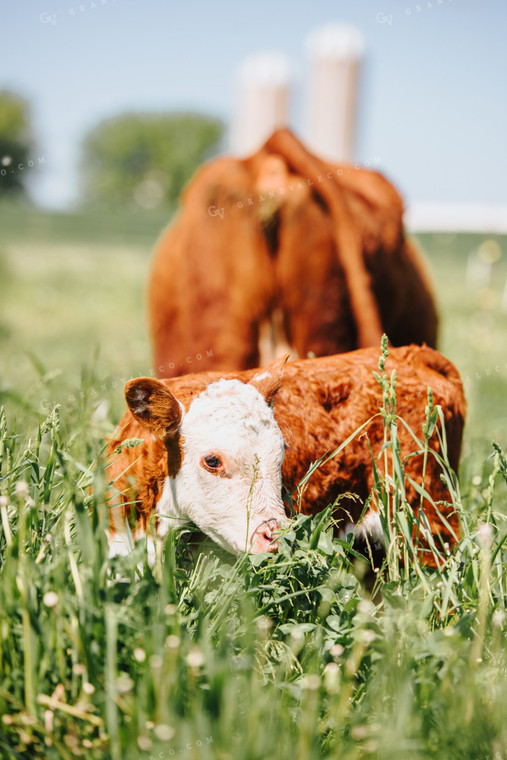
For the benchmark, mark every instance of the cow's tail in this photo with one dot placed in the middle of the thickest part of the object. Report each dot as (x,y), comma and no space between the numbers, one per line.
(347,237)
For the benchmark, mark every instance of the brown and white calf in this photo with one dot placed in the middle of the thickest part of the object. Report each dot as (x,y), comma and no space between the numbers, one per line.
(217,447)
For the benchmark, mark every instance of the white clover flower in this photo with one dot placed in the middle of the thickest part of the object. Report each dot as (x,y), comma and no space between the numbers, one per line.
(50,599)
(485,535)
(88,688)
(367,636)
(163,732)
(139,654)
(21,488)
(124,683)
(173,642)
(366,607)
(195,658)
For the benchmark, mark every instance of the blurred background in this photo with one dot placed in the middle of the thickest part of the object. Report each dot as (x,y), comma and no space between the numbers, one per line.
(107,107)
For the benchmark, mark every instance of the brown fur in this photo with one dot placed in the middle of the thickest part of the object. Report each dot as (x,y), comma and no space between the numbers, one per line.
(327,250)
(320,403)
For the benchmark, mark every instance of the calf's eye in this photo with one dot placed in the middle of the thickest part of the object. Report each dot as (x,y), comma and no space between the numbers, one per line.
(212,463)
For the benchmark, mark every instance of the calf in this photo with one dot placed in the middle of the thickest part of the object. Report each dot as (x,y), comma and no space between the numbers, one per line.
(283,250)
(213,445)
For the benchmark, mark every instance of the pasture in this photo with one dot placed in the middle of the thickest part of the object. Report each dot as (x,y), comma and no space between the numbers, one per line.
(208,656)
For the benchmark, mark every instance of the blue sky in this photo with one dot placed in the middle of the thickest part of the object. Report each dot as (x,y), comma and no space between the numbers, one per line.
(433,109)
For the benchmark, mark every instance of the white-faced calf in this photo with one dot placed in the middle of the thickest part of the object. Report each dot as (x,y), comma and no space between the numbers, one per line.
(213,458)
(213,445)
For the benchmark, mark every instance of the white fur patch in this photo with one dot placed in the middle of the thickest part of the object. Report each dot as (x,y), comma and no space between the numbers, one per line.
(231,420)
(371,528)
(167,510)
(273,342)
(120,544)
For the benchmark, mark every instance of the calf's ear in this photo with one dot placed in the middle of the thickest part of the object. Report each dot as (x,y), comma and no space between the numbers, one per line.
(269,379)
(153,406)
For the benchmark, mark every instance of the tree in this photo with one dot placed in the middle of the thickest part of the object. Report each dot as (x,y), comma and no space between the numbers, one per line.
(16,143)
(146,159)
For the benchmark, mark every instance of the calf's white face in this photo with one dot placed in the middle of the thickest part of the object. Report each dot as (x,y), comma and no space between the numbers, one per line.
(229,483)
(225,457)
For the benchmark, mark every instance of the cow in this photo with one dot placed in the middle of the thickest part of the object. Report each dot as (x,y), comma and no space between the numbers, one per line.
(228,450)
(282,251)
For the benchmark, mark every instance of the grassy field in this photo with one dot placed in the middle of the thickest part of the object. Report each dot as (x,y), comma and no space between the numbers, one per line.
(284,656)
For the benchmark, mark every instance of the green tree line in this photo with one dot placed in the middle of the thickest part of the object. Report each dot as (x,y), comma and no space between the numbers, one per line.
(133,159)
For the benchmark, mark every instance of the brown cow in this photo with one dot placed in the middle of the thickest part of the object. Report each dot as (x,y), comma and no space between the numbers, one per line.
(213,445)
(284,250)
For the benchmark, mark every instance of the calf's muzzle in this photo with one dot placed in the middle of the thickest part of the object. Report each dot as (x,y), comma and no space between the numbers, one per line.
(264,539)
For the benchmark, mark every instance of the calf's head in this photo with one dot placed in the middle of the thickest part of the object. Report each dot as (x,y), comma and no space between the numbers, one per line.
(224,456)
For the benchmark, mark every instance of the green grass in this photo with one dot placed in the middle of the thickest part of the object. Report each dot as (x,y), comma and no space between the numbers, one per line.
(258,657)
(209,656)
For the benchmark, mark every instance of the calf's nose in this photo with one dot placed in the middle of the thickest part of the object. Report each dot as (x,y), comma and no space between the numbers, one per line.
(263,539)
